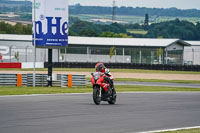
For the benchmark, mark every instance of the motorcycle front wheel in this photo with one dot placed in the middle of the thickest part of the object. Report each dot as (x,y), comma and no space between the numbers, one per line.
(96,95)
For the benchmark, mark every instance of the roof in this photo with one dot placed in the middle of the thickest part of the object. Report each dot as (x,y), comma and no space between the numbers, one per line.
(103,41)
(149,42)
(194,43)
(11,37)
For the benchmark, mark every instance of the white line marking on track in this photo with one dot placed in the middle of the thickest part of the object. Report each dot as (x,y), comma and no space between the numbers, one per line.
(32,95)
(175,129)
(137,92)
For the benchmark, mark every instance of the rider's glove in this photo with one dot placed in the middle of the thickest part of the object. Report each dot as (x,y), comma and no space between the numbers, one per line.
(106,72)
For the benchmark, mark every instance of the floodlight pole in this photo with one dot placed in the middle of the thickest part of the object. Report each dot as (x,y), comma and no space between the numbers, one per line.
(34,29)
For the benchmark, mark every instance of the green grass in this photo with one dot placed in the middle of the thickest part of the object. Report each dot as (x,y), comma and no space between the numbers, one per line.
(130,88)
(155,80)
(137,31)
(112,70)
(158,80)
(195,130)
(126,18)
(85,89)
(135,19)
(42,90)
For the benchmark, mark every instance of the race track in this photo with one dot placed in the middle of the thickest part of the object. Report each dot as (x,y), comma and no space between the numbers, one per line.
(76,113)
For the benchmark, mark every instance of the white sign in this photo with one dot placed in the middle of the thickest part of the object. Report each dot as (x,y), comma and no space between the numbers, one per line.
(51,22)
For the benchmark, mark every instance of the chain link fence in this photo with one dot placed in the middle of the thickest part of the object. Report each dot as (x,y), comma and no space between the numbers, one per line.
(24,53)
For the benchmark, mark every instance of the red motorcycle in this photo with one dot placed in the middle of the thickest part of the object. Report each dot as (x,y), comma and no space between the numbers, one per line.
(99,93)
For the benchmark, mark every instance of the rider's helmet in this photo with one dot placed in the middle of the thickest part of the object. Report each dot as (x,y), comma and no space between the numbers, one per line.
(99,67)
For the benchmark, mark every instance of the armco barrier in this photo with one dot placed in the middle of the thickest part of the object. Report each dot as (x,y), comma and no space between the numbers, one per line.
(59,80)
(166,67)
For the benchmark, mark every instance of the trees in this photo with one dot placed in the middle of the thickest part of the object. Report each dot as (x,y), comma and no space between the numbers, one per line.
(138,11)
(89,32)
(17,29)
(175,29)
(171,29)
(83,28)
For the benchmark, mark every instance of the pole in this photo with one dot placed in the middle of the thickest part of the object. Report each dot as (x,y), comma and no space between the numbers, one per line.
(140,57)
(65,54)
(34,56)
(10,53)
(192,56)
(123,51)
(49,67)
(166,56)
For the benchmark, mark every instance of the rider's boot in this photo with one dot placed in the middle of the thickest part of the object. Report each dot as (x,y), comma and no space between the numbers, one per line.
(109,91)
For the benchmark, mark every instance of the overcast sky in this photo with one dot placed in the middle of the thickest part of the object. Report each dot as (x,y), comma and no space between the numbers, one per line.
(181,4)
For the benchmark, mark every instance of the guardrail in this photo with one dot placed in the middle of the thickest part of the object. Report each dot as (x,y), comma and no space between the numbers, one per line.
(59,80)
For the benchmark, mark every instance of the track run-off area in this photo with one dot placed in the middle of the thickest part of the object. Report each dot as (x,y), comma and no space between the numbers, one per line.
(138,75)
(75,113)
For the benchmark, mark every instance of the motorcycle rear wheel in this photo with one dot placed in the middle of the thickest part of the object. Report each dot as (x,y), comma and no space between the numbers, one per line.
(96,96)
(113,98)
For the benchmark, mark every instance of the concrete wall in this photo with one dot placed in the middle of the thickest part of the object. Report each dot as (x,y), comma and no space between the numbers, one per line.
(95,58)
(30,65)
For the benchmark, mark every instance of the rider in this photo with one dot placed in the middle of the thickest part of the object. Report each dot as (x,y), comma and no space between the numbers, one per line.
(104,82)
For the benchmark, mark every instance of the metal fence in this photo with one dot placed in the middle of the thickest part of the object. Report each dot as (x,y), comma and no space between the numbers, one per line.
(23,52)
(138,55)
(59,80)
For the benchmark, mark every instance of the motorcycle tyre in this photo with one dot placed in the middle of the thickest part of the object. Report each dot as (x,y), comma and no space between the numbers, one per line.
(96,97)
(113,98)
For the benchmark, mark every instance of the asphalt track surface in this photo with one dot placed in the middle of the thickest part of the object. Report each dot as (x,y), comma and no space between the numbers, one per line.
(76,113)
(157,84)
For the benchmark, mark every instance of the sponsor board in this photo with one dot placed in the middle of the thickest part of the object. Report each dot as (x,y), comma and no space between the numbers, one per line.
(51,23)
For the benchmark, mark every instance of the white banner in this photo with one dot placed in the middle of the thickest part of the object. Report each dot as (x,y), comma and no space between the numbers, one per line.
(51,22)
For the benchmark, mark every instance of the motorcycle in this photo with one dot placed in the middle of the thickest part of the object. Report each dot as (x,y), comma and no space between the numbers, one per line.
(99,94)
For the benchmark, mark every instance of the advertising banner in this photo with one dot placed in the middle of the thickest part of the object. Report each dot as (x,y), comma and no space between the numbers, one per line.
(51,23)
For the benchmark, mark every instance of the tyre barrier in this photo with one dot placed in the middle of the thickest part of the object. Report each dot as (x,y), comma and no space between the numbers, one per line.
(167,67)
(58,80)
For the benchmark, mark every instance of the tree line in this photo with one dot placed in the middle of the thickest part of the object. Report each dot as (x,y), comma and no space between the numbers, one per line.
(138,11)
(6,28)
(175,29)
(26,6)
(171,29)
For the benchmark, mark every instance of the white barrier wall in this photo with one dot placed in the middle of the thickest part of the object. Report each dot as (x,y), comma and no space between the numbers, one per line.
(31,65)
(95,58)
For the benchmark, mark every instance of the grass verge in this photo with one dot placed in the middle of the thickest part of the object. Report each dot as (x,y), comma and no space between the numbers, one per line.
(195,130)
(155,80)
(159,80)
(85,89)
(112,70)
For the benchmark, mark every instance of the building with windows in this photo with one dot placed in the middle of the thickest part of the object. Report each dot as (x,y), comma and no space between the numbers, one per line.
(19,48)
(126,50)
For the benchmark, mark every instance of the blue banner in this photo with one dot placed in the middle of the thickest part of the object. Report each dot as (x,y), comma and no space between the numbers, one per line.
(51,23)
